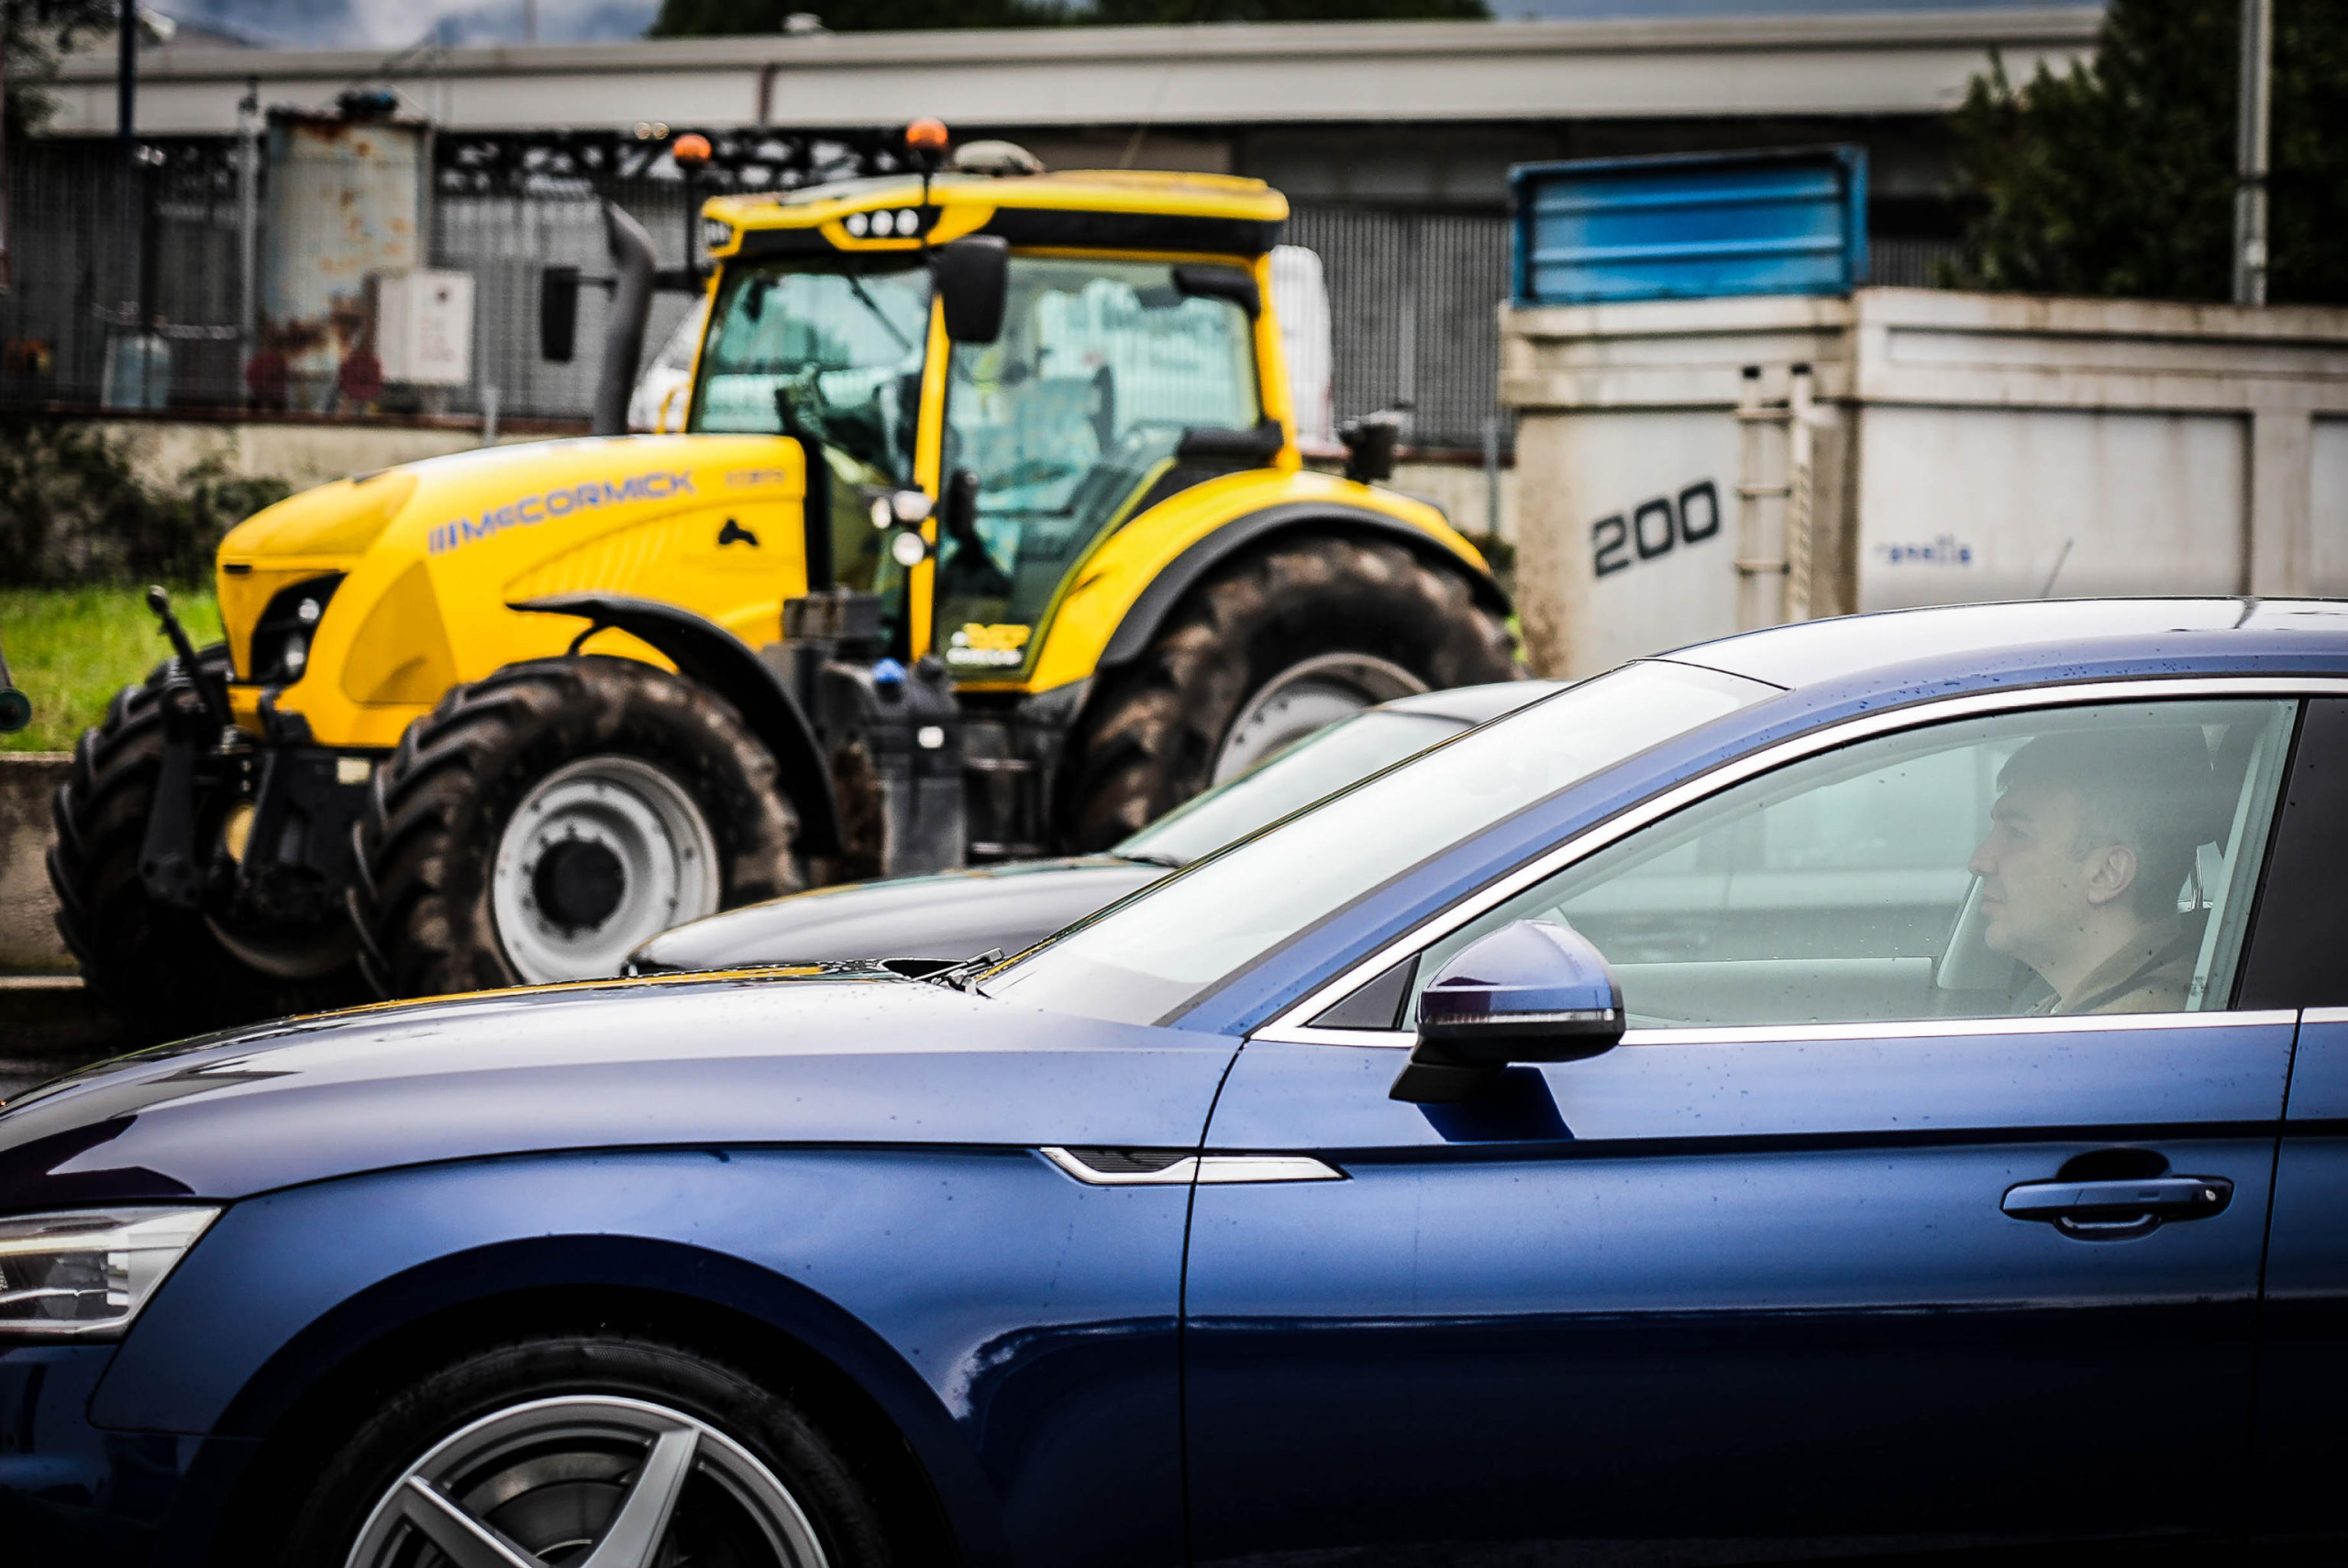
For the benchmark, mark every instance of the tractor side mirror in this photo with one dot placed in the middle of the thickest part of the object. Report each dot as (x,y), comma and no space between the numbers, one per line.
(972,278)
(1532,991)
(1369,443)
(558,313)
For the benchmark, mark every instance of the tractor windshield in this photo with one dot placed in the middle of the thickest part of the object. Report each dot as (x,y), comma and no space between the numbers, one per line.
(1069,422)
(834,353)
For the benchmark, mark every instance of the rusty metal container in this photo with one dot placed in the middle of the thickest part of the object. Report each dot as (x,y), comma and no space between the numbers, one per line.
(345,202)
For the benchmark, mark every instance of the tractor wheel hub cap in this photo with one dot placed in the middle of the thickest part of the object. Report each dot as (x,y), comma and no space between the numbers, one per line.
(601,854)
(1301,699)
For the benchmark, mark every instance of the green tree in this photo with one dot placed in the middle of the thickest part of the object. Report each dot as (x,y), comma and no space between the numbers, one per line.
(33,35)
(2118,178)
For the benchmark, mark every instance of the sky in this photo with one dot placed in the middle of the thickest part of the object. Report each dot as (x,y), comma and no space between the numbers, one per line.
(395,23)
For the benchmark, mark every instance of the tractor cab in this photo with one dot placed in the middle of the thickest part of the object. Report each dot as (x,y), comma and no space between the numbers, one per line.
(1004,369)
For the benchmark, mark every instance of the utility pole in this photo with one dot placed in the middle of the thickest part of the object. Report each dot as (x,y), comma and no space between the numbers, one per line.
(2249,183)
(125,135)
(248,124)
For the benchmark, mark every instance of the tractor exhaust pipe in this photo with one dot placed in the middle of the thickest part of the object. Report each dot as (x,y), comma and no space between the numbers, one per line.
(632,264)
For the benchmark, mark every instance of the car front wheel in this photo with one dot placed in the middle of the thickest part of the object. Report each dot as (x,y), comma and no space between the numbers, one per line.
(599,1452)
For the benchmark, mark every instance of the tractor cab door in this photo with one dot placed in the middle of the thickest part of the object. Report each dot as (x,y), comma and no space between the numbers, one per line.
(829,350)
(1111,385)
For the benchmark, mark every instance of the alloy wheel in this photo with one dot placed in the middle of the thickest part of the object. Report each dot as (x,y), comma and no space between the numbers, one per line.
(587,1481)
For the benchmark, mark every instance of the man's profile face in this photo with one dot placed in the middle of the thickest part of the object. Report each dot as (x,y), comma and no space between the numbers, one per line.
(2037,893)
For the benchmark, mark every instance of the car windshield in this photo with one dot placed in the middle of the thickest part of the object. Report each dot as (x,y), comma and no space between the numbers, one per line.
(1066,422)
(1321,764)
(835,354)
(1149,957)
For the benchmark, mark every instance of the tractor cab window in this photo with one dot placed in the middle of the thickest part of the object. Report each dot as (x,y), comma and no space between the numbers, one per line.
(1065,422)
(832,354)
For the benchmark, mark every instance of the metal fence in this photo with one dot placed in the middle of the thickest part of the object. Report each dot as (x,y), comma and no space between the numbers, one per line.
(1414,294)
(505,240)
(103,260)
(1413,309)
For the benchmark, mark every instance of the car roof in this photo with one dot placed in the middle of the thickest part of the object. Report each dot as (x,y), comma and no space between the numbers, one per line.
(1814,652)
(1474,705)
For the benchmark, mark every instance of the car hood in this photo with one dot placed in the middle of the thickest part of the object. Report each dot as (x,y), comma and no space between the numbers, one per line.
(951,916)
(711,1062)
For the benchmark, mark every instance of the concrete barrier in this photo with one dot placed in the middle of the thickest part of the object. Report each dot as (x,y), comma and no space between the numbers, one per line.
(28,941)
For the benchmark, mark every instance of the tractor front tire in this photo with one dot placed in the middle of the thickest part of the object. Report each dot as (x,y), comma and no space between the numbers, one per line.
(1328,624)
(164,969)
(539,823)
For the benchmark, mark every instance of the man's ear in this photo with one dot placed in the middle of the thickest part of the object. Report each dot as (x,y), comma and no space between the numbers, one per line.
(2111,871)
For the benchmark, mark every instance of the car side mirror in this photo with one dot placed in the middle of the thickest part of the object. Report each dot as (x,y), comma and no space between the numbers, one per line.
(972,277)
(558,313)
(1533,992)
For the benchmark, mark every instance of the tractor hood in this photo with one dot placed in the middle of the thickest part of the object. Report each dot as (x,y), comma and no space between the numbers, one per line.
(837,1057)
(415,566)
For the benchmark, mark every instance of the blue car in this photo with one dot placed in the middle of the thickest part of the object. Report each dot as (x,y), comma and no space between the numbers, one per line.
(1872,1087)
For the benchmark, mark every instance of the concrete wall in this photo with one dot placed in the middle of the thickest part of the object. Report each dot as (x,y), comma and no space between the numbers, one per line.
(303,453)
(1961,447)
(29,939)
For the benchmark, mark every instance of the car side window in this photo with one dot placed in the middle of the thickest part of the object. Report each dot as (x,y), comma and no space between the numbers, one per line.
(2057,861)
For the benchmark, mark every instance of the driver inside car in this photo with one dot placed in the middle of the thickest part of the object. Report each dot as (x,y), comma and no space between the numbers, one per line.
(2091,840)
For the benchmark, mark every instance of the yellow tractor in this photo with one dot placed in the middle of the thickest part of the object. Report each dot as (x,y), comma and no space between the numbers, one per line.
(987,536)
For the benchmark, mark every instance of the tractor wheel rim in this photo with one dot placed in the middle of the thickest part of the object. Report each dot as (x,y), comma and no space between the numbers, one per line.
(604,810)
(1301,699)
(596,1481)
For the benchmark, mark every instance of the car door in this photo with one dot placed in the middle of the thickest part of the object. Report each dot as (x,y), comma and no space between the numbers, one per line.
(1853,1243)
(2295,961)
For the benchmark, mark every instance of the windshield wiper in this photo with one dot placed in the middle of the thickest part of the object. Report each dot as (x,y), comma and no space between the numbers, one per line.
(1150,858)
(958,976)
(855,287)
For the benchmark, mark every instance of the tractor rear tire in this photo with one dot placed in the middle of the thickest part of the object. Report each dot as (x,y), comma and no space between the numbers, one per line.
(540,823)
(1377,616)
(164,969)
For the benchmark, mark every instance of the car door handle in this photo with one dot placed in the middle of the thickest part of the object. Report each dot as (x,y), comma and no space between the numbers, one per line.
(2112,1209)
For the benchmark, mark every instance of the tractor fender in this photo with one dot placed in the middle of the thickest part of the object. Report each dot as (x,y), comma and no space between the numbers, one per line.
(706,652)
(1139,627)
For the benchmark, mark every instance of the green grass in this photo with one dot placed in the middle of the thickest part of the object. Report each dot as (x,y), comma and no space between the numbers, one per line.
(71,649)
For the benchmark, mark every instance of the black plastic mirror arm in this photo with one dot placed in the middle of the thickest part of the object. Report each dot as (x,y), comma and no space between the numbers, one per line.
(1434,1076)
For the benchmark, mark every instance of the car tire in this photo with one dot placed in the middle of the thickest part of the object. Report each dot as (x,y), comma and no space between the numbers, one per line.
(165,970)
(537,825)
(551,1441)
(1336,623)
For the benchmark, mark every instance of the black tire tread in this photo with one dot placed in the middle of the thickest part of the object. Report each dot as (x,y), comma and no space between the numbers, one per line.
(420,899)
(1150,734)
(160,968)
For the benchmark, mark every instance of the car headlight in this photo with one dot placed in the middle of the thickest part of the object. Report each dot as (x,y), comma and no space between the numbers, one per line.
(88,1271)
